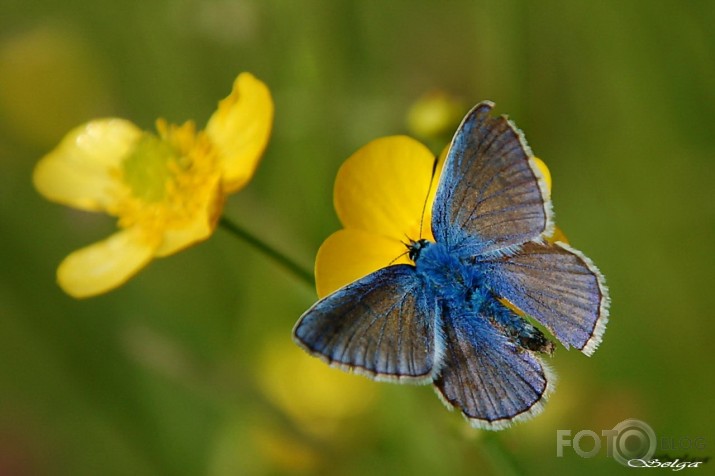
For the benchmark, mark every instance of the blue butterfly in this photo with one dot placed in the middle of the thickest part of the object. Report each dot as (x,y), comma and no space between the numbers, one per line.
(441,320)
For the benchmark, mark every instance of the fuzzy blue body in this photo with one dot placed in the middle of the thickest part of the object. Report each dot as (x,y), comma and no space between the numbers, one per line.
(455,282)
(462,291)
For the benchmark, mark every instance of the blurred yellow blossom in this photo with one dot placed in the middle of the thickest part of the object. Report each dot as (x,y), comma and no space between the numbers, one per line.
(434,115)
(315,396)
(167,190)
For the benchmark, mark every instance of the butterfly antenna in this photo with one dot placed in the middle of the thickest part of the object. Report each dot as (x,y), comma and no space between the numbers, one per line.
(429,189)
(408,242)
(398,257)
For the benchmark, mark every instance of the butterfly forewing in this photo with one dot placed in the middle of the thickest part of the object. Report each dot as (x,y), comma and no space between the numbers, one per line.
(490,191)
(382,325)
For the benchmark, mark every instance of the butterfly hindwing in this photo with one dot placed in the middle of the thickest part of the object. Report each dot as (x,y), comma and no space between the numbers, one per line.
(559,287)
(492,380)
(490,189)
(382,325)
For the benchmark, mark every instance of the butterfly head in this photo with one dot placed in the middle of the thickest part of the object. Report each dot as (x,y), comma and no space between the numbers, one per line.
(415,248)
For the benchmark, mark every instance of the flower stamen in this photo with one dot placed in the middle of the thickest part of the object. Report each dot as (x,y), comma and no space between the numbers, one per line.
(168,179)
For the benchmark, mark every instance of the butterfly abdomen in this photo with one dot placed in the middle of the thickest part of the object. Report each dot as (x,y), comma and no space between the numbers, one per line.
(460,286)
(517,328)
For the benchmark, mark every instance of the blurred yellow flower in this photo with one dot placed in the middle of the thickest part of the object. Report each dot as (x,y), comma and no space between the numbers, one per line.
(166,190)
(434,115)
(315,396)
(380,194)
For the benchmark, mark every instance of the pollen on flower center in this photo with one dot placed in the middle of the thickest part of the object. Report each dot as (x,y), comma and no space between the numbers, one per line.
(146,170)
(169,178)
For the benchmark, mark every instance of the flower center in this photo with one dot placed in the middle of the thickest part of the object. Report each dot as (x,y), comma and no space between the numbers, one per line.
(146,171)
(170,180)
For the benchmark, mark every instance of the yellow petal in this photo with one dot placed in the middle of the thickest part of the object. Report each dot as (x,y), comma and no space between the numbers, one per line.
(105,265)
(511,306)
(557,235)
(199,229)
(544,171)
(382,188)
(176,240)
(82,171)
(427,222)
(347,255)
(240,128)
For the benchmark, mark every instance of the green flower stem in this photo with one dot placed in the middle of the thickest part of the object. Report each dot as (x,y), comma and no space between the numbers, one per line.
(297,270)
(503,461)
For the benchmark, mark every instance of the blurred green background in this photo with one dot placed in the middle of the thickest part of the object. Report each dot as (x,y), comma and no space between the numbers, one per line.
(189,368)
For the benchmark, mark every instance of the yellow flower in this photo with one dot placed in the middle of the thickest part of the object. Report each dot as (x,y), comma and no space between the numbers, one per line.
(435,115)
(167,190)
(380,194)
(316,397)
